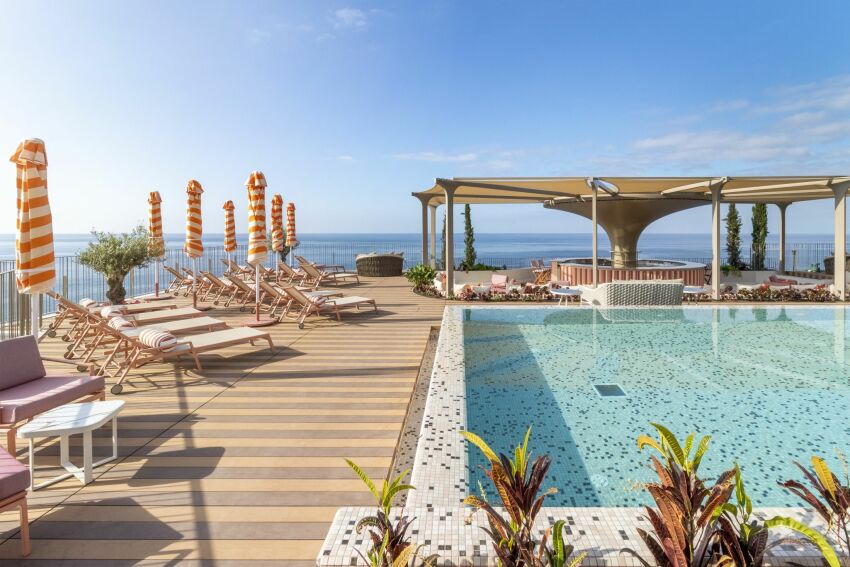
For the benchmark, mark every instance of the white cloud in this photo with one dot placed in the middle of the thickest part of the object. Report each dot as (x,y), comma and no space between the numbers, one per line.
(345,157)
(349,18)
(729,105)
(437,157)
(256,35)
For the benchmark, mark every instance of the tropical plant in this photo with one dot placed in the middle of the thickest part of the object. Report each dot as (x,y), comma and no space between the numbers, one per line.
(731,270)
(469,255)
(828,497)
(744,539)
(733,236)
(391,545)
(683,532)
(421,276)
(759,235)
(519,489)
(114,255)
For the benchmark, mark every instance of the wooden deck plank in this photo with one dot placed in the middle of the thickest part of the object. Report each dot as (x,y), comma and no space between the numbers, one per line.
(242,461)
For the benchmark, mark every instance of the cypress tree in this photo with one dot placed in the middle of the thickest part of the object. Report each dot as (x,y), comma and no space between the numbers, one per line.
(759,235)
(469,255)
(733,237)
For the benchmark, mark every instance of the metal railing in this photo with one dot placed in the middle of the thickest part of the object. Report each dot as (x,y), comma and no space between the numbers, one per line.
(77,281)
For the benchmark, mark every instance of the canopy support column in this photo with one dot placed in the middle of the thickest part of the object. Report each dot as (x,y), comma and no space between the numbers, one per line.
(424,202)
(450,244)
(715,241)
(840,253)
(595,239)
(433,247)
(782,207)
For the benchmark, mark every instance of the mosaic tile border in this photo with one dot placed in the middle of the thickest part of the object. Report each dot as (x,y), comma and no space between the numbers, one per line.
(445,527)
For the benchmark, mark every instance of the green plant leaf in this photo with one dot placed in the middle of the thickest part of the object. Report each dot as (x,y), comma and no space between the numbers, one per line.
(366,480)
(824,475)
(813,536)
(646,440)
(481,444)
(672,443)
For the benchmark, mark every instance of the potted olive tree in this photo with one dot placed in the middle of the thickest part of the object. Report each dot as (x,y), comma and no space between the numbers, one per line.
(114,255)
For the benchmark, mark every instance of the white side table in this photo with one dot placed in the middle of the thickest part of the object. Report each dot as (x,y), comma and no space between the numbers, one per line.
(68,420)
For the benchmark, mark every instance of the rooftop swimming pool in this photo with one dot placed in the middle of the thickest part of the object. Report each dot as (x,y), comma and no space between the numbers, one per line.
(770,385)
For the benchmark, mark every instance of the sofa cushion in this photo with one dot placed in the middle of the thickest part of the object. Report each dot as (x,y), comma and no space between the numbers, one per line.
(38,396)
(14,475)
(20,362)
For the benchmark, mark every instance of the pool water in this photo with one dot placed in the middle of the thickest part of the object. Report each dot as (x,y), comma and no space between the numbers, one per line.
(770,385)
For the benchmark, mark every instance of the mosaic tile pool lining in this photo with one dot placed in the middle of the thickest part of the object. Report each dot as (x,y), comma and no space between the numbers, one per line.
(440,474)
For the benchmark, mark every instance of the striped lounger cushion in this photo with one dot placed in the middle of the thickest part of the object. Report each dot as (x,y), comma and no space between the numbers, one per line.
(112,311)
(119,323)
(88,302)
(155,338)
(317,299)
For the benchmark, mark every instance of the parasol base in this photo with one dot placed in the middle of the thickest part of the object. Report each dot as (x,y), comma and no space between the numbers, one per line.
(203,307)
(263,321)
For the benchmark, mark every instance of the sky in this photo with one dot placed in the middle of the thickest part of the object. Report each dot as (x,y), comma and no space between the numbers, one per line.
(348,107)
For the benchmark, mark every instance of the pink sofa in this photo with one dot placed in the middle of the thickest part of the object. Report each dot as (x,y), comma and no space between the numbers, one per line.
(26,389)
(14,481)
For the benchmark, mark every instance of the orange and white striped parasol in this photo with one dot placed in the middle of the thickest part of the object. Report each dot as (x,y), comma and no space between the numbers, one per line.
(277,223)
(229,227)
(257,248)
(35,269)
(193,247)
(156,244)
(291,240)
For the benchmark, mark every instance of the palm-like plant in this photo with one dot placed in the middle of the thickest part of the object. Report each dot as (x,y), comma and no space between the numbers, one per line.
(828,497)
(683,531)
(519,489)
(745,540)
(391,545)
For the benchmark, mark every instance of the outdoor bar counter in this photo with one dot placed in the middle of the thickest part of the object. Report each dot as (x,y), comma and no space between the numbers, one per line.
(579,271)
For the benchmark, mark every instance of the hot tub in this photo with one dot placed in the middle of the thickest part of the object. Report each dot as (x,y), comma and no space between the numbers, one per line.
(579,271)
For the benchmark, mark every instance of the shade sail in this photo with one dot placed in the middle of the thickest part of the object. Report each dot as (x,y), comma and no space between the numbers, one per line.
(193,246)
(257,247)
(35,270)
(763,189)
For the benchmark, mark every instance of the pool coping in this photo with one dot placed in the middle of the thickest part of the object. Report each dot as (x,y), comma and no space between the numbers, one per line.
(444,526)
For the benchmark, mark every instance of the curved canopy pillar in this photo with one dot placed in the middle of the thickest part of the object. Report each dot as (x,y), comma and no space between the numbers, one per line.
(624,219)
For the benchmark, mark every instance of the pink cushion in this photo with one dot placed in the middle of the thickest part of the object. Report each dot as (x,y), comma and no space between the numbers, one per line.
(14,475)
(782,281)
(20,362)
(38,396)
(499,280)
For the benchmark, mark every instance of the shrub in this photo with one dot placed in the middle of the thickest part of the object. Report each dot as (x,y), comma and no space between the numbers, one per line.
(744,539)
(477,267)
(114,255)
(421,276)
(828,497)
(519,489)
(391,545)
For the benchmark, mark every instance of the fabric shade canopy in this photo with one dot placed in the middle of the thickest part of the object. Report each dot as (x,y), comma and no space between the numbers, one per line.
(565,189)
(291,240)
(229,227)
(257,247)
(193,246)
(277,223)
(34,259)
(156,243)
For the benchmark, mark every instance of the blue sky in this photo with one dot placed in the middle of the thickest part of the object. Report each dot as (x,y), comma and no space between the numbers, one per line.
(349,106)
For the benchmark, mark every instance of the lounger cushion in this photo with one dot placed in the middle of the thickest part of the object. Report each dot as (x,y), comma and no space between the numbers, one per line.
(14,475)
(20,362)
(38,396)
(87,302)
(120,323)
(159,339)
(112,311)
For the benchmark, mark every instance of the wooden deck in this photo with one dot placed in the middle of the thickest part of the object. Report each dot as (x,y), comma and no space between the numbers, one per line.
(241,463)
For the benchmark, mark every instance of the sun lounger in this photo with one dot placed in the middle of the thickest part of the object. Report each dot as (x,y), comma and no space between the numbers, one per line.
(243,293)
(307,306)
(277,297)
(314,276)
(235,270)
(288,274)
(321,267)
(194,345)
(179,282)
(219,288)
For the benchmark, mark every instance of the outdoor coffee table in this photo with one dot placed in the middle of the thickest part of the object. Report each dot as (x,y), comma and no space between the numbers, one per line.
(69,420)
(564,293)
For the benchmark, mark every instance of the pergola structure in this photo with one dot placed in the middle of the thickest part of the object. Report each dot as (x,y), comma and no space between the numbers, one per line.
(625,206)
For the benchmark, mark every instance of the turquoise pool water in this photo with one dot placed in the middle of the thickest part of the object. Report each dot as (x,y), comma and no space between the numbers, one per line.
(770,385)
